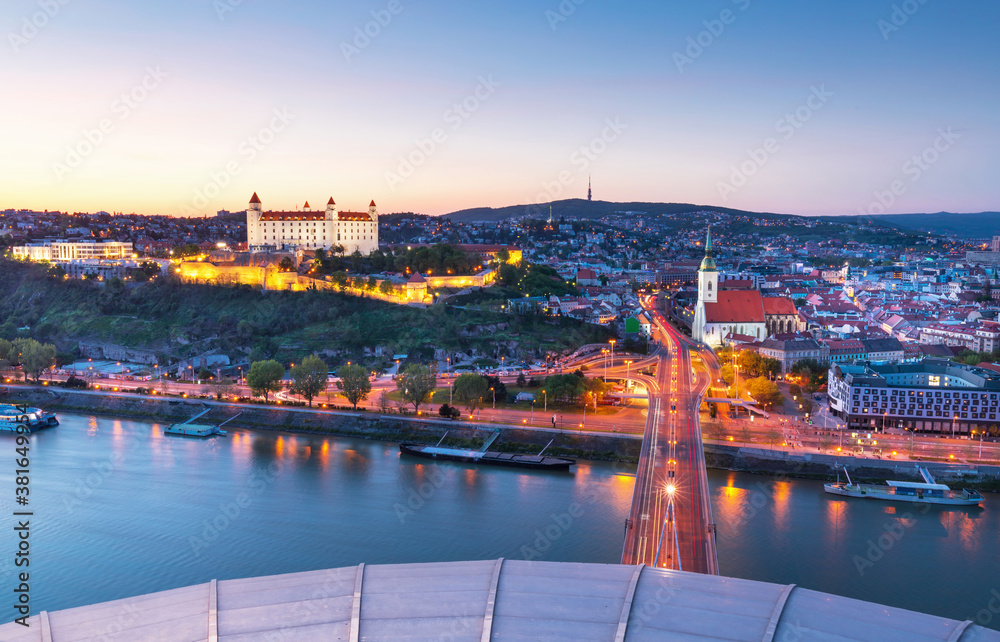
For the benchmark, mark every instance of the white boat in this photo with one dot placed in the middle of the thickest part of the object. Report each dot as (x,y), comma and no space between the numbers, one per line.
(12,416)
(926,492)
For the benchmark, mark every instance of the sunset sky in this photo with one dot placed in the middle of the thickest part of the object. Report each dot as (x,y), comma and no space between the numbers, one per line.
(792,107)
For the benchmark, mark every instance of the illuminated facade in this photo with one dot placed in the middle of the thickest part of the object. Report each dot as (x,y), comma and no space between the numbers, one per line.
(311,230)
(74,250)
(934,395)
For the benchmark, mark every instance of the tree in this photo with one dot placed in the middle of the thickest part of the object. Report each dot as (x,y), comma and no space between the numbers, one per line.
(522,381)
(470,390)
(772,437)
(764,391)
(355,384)
(448,412)
(745,434)
(265,377)
(6,355)
(384,403)
(416,384)
(225,388)
(286,265)
(33,356)
(309,378)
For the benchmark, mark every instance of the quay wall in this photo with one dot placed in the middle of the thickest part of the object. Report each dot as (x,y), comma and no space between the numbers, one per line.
(819,466)
(365,425)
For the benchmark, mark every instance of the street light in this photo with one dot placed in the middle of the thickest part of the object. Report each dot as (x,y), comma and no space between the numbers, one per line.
(545,399)
(612,342)
(493,390)
(628,363)
(953,420)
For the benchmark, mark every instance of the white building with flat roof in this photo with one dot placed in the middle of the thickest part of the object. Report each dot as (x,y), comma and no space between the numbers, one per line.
(74,250)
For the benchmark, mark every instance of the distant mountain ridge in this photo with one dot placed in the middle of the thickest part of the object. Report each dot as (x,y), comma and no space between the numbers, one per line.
(581,208)
(972,225)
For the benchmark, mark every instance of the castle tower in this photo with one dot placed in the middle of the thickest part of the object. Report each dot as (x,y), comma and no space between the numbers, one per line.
(708,289)
(331,210)
(253,210)
(306,208)
(372,211)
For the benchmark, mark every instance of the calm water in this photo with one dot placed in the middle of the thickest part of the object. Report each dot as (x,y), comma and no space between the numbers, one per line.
(122,510)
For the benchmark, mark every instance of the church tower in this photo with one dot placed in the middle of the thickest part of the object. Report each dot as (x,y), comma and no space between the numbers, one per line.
(708,289)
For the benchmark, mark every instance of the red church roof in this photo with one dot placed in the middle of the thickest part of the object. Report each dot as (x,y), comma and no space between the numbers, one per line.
(736,306)
(778,305)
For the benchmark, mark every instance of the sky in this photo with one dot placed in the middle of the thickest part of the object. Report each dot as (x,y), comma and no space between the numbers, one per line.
(190,106)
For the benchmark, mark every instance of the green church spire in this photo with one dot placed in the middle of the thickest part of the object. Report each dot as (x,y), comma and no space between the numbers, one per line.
(708,263)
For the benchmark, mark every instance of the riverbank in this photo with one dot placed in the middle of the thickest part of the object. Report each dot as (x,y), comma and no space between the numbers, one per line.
(599,447)
(827,467)
(397,429)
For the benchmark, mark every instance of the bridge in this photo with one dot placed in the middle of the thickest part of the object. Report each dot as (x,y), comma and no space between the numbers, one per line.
(739,402)
(670,521)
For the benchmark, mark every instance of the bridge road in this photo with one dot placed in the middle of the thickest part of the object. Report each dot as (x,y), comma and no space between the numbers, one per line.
(672,456)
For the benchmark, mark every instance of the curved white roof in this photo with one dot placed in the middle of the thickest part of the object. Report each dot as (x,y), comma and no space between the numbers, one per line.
(492,600)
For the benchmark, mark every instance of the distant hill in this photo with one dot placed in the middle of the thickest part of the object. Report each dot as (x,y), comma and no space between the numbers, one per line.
(580,208)
(975,225)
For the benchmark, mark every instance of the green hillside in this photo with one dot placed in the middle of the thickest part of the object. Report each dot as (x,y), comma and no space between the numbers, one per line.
(178,320)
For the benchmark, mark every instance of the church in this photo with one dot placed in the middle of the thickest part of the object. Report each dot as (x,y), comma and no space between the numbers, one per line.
(311,230)
(722,313)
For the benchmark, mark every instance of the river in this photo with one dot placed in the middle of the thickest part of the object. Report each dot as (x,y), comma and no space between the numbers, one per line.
(120,510)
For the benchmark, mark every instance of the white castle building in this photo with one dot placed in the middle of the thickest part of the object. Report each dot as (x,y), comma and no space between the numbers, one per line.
(311,230)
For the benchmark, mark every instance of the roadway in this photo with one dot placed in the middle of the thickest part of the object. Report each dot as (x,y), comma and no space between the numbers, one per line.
(670,520)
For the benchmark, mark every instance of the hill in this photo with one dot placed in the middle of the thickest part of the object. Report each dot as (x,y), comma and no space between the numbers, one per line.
(180,320)
(973,225)
(580,208)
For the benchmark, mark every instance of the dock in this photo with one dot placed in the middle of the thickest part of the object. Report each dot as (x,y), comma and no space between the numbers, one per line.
(191,429)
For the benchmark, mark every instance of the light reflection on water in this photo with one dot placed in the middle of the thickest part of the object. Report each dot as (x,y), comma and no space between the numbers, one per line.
(932,559)
(122,508)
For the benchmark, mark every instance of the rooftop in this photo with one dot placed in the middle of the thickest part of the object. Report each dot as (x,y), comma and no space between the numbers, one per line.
(493,600)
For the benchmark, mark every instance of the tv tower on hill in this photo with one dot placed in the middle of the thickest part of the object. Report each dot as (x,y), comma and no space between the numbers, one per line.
(589,194)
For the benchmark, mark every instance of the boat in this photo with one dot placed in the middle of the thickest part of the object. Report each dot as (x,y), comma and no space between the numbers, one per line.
(191,429)
(12,416)
(926,492)
(486,456)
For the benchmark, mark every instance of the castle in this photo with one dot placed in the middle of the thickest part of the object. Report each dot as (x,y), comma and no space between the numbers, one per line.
(311,230)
